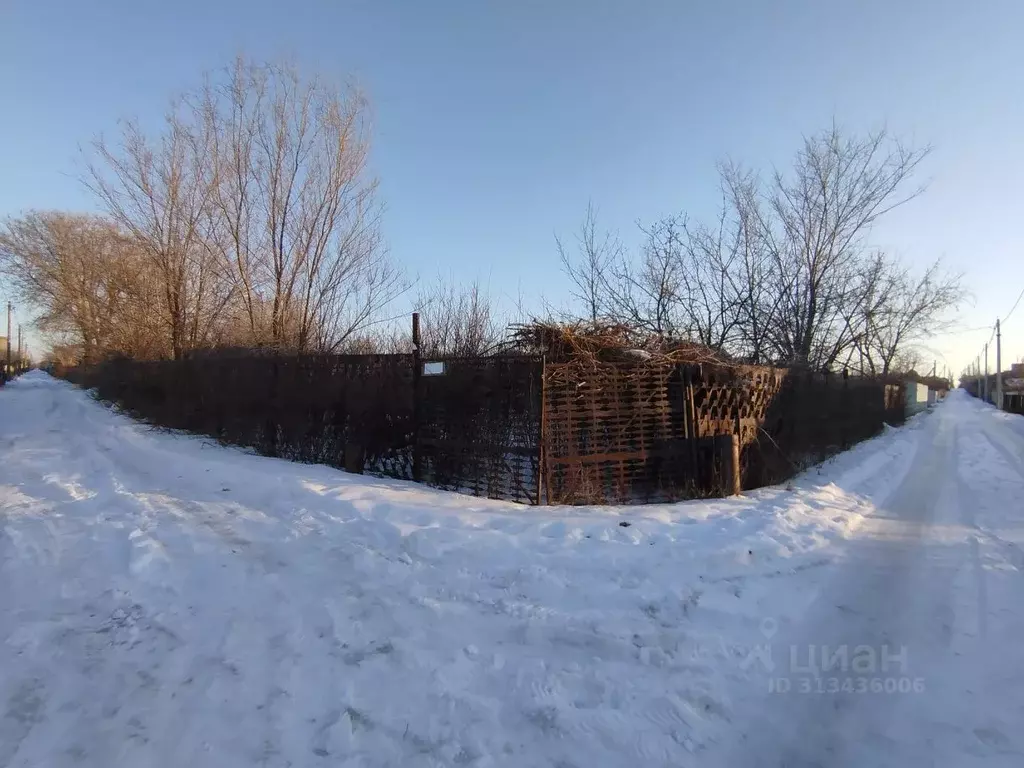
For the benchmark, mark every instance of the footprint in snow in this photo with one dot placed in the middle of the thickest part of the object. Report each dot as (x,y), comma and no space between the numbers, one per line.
(992,737)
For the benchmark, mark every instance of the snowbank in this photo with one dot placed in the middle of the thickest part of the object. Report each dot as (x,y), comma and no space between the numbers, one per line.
(168,602)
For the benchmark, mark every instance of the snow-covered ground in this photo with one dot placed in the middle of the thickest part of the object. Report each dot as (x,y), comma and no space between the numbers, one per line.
(168,602)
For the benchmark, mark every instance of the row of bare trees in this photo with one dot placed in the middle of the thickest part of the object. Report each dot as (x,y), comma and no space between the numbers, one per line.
(247,218)
(786,272)
(92,287)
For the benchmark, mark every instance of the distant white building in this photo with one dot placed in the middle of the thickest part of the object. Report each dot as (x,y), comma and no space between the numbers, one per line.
(917,397)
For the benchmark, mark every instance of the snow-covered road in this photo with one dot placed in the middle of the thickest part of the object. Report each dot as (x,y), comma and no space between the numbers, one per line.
(165,602)
(912,653)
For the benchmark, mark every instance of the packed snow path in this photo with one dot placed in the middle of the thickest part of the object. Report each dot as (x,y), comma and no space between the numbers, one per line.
(167,602)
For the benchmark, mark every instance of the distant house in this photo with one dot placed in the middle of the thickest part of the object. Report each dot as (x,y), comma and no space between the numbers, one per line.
(935,389)
(1016,378)
(1013,389)
(916,396)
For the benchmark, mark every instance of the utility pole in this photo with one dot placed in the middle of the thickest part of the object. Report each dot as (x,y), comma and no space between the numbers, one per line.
(999,369)
(19,345)
(984,388)
(9,308)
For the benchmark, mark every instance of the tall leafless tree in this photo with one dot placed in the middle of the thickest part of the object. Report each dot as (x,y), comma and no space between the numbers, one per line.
(758,289)
(256,210)
(297,225)
(824,210)
(159,190)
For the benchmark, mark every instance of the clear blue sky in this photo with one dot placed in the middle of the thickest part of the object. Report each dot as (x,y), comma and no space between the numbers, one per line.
(495,122)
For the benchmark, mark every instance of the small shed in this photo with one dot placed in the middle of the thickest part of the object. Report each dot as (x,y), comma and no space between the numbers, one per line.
(916,396)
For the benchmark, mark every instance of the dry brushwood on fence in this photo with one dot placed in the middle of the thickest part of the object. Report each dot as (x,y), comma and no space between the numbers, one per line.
(583,346)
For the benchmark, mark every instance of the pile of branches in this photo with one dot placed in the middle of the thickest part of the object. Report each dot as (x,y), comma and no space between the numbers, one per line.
(588,343)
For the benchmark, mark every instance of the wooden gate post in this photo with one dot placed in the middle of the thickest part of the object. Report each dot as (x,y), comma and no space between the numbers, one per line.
(727,461)
(737,483)
(690,418)
(737,447)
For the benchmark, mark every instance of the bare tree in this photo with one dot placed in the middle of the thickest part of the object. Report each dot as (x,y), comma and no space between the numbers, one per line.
(649,291)
(296,218)
(901,310)
(714,281)
(158,189)
(255,208)
(588,268)
(609,285)
(758,288)
(824,210)
(785,274)
(85,280)
(682,282)
(457,320)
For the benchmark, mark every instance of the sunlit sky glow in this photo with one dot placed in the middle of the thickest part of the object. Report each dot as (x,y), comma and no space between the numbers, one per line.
(495,122)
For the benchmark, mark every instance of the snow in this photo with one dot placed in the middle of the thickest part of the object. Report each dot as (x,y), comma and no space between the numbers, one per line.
(167,601)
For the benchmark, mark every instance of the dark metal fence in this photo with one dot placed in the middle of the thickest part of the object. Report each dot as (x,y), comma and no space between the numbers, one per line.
(1013,401)
(812,416)
(478,426)
(1013,395)
(473,428)
(310,408)
(513,427)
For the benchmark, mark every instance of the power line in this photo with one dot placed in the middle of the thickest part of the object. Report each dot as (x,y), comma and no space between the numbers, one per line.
(968,330)
(1019,296)
(1004,318)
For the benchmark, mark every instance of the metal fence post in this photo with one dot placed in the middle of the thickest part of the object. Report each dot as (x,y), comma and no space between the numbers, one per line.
(542,436)
(417,369)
